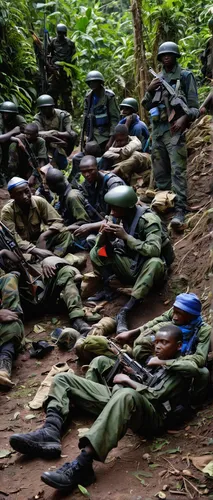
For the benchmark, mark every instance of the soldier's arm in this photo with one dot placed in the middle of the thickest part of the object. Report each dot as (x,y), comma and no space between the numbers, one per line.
(114,114)
(67,128)
(48,215)
(131,147)
(150,246)
(192,97)
(7,217)
(147,100)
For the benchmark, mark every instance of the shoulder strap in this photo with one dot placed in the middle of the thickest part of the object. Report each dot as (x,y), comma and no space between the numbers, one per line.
(140,211)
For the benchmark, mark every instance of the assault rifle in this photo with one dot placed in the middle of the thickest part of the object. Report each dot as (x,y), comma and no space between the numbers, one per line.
(7,242)
(176,102)
(140,374)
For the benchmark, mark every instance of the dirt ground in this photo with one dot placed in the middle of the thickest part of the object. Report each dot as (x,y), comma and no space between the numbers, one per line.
(137,469)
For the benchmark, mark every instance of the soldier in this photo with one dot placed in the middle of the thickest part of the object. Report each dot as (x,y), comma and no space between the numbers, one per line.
(131,249)
(54,126)
(11,326)
(11,123)
(24,215)
(169,153)
(145,407)
(61,49)
(207,55)
(101,115)
(27,154)
(130,118)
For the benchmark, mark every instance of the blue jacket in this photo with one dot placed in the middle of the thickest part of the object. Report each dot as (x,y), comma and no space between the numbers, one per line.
(139,129)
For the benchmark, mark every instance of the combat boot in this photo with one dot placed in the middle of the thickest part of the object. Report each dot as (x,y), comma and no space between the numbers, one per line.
(121,320)
(178,220)
(67,477)
(81,326)
(5,372)
(44,442)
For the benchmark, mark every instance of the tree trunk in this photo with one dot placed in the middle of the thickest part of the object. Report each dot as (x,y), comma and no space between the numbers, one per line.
(141,69)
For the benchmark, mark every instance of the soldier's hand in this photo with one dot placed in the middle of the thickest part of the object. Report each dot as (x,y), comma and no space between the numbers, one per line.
(117,230)
(48,270)
(6,315)
(179,125)
(155,83)
(121,378)
(83,230)
(122,338)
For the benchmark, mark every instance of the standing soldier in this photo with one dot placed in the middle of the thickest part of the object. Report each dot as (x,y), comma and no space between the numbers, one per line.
(61,49)
(169,153)
(101,115)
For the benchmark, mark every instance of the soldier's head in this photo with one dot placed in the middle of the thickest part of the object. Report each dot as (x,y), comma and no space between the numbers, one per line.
(128,106)
(31,132)
(92,148)
(168,342)
(56,181)
(95,80)
(61,30)
(45,104)
(121,136)
(186,308)
(20,192)
(8,110)
(89,168)
(168,53)
(122,201)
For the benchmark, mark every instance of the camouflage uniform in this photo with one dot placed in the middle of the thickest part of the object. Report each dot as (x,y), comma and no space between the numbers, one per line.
(18,163)
(141,409)
(16,121)
(169,153)
(59,83)
(72,207)
(13,330)
(94,193)
(27,229)
(142,274)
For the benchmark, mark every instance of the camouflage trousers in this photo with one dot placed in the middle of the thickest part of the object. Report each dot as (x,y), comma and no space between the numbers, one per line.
(150,273)
(136,163)
(10,299)
(60,243)
(169,164)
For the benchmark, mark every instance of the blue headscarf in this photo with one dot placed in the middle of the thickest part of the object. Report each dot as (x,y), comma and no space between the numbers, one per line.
(190,303)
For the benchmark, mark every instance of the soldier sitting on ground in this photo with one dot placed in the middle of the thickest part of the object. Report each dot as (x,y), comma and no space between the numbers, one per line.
(11,123)
(131,249)
(27,154)
(130,118)
(54,126)
(124,157)
(145,407)
(25,214)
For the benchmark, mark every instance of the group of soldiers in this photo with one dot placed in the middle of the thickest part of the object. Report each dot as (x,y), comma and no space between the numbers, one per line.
(49,218)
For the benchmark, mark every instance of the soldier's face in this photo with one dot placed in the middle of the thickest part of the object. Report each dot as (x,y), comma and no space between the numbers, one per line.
(121,140)
(89,172)
(168,60)
(181,317)
(22,196)
(7,117)
(166,345)
(47,111)
(94,84)
(31,135)
(118,212)
(126,111)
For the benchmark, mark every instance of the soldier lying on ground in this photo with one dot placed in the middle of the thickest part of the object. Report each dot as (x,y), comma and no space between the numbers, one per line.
(131,249)
(27,154)
(24,216)
(11,326)
(11,123)
(55,127)
(146,409)
(124,157)
(186,314)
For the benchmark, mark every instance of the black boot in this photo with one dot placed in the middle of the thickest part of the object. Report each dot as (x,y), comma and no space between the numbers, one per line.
(67,477)
(44,442)
(178,220)
(81,326)
(121,318)
(5,372)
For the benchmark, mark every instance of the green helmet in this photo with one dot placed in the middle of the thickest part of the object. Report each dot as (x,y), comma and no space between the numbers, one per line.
(94,75)
(45,100)
(168,48)
(121,196)
(210,24)
(61,28)
(130,102)
(8,107)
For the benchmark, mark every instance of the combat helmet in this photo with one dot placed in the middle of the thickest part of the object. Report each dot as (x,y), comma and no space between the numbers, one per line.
(94,75)
(61,28)
(130,102)
(121,196)
(8,107)
(168,48)
(210,24)
(45,100)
